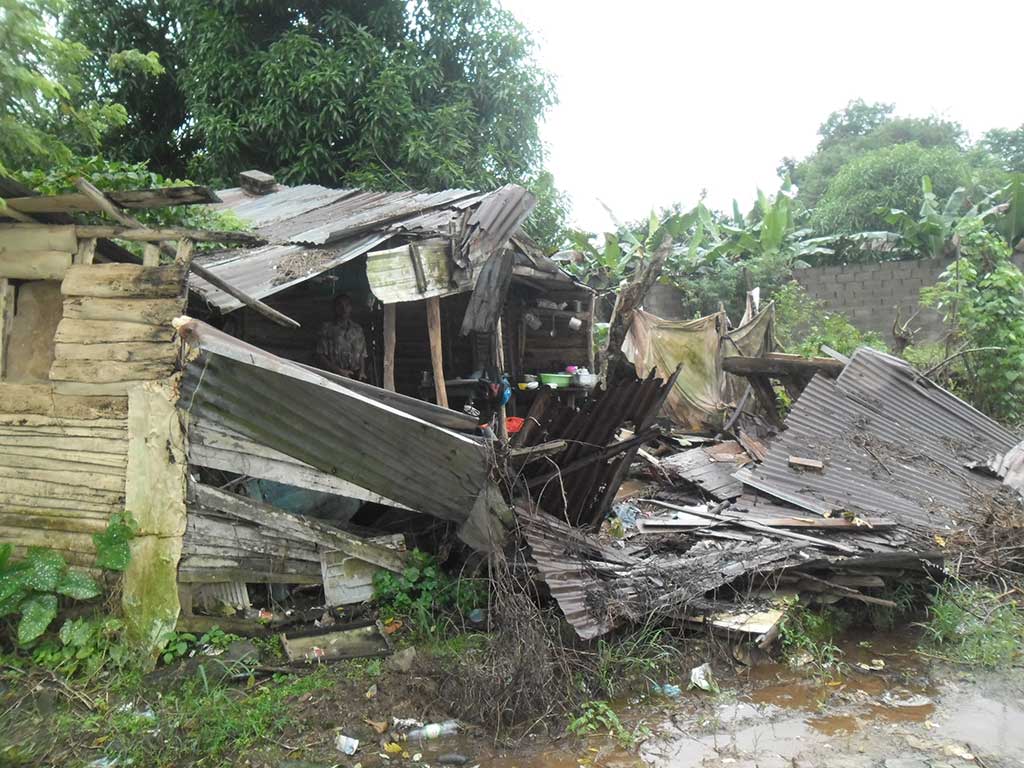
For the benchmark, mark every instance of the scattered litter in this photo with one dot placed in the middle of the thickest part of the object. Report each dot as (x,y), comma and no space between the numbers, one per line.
(434,730)
(627,513)
(452,758)
(352,642)
(668,690)
(406,723)
(957,750)
(379,726)
(874,665)
(702,677)
(371,691)
(393,748)
(346,744)
(905,700)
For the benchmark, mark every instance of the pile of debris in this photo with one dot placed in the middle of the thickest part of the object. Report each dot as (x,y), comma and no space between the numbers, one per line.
(876,474)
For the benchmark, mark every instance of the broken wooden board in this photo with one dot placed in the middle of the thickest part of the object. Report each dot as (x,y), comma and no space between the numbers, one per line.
(75,202)
(112,281)
(356,641)
(34,265)
(348,579)
(801,462)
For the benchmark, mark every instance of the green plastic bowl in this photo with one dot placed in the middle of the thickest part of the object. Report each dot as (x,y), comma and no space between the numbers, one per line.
(556,379)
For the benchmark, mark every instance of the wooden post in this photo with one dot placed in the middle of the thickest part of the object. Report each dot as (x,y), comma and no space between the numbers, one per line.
(86,251)
(499,358)
(150,255)
(436,356)
(6,318)
(389,347)
(183,255)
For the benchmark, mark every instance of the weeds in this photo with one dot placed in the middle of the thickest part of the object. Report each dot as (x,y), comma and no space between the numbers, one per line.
(599,717)
(627,662)
(809,636)
(969,624)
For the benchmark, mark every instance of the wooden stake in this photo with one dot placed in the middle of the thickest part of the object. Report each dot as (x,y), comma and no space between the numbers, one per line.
(499,358)
(86,251)
(436,356)
(389,347)
(6,318)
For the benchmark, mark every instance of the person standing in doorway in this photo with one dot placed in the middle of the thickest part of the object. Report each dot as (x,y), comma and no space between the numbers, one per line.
(341,343)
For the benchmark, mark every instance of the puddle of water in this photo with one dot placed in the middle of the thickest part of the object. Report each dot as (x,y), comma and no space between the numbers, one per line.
(833,725)
(994,727)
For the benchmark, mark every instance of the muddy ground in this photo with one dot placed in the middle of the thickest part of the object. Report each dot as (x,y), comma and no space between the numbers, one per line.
(891,708)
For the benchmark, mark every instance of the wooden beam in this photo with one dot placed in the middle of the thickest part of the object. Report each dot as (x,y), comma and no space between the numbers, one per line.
(778,365)
(134,226)
(254,304)
(436,355)
(144,234)
(121,281)
(389,347)
(130,310)
(35,265)
(76,202)
(302,528)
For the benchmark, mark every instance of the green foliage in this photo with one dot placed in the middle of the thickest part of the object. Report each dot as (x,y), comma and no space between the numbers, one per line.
(802,325)
(31,586)
(112,550)
(970,624)
(809,636)
(625,663)
(84,647)
(1007,146)
(177,645)
(599,717)
(47,110)
(423,593)
(982,296)
(885,179)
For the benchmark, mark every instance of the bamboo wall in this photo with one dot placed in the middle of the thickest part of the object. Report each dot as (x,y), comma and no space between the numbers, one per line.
(64,438)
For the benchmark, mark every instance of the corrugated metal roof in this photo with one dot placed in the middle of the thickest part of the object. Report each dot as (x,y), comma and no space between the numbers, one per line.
(338,225)
(894,445)
(238,388)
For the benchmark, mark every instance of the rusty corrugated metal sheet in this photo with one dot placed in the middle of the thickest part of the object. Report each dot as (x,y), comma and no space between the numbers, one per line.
(894,445)
(239,388)
(337,225)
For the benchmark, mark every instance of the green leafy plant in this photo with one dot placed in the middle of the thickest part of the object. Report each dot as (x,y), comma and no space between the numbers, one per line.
(217,639)
(599,717)
(85,646)
(802,325)
(112,550)
(31,588)
(423,592)
(970,624)
(177,645)
(808,636)
(626,662)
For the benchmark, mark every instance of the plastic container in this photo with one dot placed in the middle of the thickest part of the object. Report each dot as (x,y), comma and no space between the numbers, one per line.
(434,730)
(556,379)
(588,380)
(513,424)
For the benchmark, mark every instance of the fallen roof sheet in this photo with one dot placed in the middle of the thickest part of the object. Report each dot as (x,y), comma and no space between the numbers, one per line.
(893,444)
(312,229)
(711,468)
(238,388)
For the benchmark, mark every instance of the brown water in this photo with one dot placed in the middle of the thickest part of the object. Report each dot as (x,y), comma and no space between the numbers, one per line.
(774,716)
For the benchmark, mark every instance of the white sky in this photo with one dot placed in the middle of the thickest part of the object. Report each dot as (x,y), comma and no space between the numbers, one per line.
(659,100)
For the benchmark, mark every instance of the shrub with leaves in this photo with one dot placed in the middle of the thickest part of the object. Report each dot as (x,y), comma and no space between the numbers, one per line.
(802,325)
(112,551)
(85,646)
(422,592)
(31,587)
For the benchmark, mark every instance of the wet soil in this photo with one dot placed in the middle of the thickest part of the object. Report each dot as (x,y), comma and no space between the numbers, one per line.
(891,708)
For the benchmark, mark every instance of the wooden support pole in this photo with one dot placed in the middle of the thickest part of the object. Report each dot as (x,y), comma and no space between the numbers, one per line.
(6,318)
(499,358)
(151,255)
(86,251)
(183,256)
(389,347)
(436,356)
(254,304)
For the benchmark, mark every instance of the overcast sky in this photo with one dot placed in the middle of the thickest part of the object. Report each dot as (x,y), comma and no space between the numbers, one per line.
(659,100)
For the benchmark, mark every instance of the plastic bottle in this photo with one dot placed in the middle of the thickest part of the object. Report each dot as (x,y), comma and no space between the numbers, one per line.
(433,730)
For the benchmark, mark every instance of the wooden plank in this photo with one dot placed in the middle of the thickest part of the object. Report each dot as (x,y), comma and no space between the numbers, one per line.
(389,347)
(88,389)
(7,296)
(49,442)
(40,400)
(436,354)
(57,432)
(392,277)
(124,280)
(56,237)
(109,371)
(125,351)
(335,643)
(150,255)
(302,528)
(72,331)
(34,265)
(76,202)
(39,420)
(774,365)
(72,462)
(38,488)
(183,256)
(150,311)
(60,505)
(86,252)
(805,463)
(97,482)
(17,238)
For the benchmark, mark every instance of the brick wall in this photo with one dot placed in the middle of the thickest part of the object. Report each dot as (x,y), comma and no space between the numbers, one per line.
(868,294)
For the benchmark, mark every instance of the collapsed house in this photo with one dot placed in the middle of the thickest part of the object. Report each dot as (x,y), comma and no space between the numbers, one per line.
(180,385)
